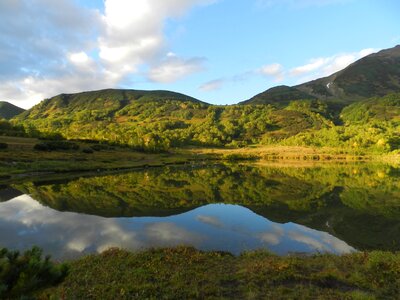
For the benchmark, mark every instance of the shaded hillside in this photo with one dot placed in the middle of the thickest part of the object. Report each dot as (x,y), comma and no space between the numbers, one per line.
(280,95)
(375,75)
(8,110)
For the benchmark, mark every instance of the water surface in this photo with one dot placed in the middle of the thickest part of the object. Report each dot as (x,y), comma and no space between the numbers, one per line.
(328,208)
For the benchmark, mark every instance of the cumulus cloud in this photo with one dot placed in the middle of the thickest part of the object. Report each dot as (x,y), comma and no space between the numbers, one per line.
(55,44)
(126,43)
(36,35)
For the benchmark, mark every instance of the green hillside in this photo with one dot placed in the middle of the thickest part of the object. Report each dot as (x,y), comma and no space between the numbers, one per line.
(156,124)
(8,110)
(373,110)
(156,120)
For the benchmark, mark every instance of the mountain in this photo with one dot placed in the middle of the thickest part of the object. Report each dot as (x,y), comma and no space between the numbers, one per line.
(375,75)
(107,101)
(8,110)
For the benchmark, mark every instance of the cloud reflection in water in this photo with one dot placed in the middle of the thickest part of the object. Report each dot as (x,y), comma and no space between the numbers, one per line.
(24,223)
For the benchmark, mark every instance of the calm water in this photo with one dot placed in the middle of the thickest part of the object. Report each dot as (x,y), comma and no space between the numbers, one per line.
(336,209)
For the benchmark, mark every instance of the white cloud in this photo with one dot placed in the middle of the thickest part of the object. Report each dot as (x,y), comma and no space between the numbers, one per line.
(313,65)
(212,85)
(133,35)
(79,57)
(62,234)
(270,238)
(213,221)
(274,236)
(169,234)
(325,66)
(173,68)
(273,70)
(297,3)
(318,240)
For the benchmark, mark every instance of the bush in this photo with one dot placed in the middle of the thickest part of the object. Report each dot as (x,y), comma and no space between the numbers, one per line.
(100,147)
(3,146)
(56,145)
(20,275)
(87,150)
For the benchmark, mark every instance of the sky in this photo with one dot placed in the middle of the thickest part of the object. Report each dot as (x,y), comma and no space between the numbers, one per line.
(218,51)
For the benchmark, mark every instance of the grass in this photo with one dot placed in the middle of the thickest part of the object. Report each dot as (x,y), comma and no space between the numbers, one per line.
(186,273)
(295,153)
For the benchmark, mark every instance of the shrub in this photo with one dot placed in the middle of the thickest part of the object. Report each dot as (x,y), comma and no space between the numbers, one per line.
(3,146)
(56,145)
(20,275)
(87,150)
(100,147)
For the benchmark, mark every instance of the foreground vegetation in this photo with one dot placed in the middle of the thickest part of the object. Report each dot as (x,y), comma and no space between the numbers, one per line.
(22,274)
(186,273)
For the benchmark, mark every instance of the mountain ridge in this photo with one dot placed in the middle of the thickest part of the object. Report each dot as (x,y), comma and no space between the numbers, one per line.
(8,110)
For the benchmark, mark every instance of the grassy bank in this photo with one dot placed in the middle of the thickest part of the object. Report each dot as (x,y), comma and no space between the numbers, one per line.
(186,273)
(298,153)
(21,159)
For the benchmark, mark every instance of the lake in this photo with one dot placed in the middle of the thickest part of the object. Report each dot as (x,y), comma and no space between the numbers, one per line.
(336,208)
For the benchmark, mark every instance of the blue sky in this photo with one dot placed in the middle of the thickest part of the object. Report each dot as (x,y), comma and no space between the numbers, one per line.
(219,51)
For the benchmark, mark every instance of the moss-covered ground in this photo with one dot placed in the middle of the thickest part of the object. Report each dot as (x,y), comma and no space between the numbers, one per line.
(186,273)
